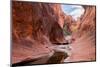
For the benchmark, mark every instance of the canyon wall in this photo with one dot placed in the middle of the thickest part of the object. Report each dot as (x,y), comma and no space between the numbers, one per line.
(88,21)
(86,25)
(35,26)
(84,46)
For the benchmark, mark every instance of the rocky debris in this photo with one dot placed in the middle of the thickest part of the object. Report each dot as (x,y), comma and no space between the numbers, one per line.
(70,39)
(57,55)
(62,48)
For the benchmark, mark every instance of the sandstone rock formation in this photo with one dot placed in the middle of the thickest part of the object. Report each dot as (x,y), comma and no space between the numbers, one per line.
(35,27)
(84,47)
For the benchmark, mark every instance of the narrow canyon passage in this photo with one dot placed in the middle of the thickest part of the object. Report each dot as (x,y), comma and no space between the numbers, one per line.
(46,35)
(84,45)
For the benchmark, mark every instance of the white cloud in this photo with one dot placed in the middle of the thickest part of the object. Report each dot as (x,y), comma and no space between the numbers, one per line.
(77,12)
(74,10)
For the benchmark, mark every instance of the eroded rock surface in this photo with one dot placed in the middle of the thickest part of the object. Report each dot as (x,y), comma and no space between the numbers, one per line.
(84,46)
(39,26)
(35,27)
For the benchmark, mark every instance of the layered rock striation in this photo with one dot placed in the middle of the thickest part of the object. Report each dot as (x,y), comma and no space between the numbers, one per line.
(35,26)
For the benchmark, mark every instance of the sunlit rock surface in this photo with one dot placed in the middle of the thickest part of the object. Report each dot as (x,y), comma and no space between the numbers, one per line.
(84,46)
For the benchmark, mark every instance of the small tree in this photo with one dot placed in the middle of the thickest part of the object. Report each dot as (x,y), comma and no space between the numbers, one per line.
(65,29)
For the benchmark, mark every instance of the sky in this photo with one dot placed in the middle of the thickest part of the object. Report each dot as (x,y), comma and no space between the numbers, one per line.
(74,10)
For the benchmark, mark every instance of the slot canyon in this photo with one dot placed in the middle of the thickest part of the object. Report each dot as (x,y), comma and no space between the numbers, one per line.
(38,34)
